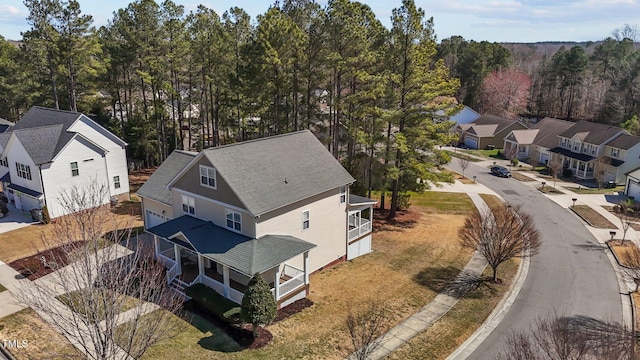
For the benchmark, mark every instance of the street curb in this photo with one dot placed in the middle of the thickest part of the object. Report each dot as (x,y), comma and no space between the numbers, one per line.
(6,354)
(629,293)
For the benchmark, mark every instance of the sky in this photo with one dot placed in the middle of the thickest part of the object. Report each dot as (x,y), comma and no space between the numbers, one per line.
(491,20)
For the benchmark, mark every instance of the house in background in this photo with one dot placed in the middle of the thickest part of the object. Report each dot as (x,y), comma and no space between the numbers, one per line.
(279,206)
(5,125)
(534,143)
(582,144)
(620,156)
(49,150)
(486,131)
(465,116)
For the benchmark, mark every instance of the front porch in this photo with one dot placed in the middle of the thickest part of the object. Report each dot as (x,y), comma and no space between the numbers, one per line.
(512,148)
(187,266)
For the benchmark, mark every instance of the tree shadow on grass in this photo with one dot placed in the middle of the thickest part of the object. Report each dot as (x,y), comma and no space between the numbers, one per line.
(452,281)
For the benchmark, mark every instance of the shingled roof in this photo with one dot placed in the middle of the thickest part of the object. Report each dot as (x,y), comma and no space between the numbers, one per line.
(155,187)
(548,131)
(45,132)
(269,173)
(624,141)
(590,132)
(242,253)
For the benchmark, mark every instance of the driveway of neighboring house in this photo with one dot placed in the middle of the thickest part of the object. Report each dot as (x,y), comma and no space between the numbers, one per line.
(15,219)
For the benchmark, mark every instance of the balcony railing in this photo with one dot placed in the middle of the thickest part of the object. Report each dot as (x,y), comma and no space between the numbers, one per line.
(364,228)
(295,279)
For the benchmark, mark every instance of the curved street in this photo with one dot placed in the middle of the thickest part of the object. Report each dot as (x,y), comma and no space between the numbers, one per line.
(570,275)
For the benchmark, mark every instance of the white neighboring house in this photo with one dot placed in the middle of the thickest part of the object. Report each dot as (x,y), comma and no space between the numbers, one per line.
(279,206)
(48,151)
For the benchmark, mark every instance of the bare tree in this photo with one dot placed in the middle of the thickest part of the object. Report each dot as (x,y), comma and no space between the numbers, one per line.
(464,163)
(555,165)
(365,329)
(571,338)
(506,233)
(624,214)
(110,302)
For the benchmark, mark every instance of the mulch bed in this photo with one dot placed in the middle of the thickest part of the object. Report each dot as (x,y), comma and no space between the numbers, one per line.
(243,334)
(404,219)
(32,267)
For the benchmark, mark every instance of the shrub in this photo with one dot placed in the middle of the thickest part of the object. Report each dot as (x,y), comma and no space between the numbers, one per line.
(403,201)
(216,304)
(515,162)
(258,304)
(567,173)
(45,215)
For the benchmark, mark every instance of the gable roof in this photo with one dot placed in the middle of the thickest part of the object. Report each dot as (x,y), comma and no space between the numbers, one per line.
(501,122)
(548,131)
(45,132)
(592,133)
(483,130)
(242,253)
(624,141)
(525,136)
(269,173)
(155,187)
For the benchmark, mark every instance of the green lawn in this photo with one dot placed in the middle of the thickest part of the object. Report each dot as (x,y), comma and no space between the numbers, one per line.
(493,154)
(196,340)
(461,155)
(440,202)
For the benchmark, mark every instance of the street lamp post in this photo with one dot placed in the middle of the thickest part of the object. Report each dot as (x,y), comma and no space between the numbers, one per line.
(612,233)
(543,184)
(574,203)
(474,179)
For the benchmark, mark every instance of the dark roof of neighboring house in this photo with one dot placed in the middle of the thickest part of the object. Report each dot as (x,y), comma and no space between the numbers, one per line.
(45,132)
(592,133)
(360,200)
(549,129)
(5,125)
(6,177)
(624,141)
(155,187)
(488,125)
(571,154)
(25,190)
(242,253)
(269,173)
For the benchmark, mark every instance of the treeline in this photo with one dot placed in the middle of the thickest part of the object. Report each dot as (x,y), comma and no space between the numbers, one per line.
(165,79)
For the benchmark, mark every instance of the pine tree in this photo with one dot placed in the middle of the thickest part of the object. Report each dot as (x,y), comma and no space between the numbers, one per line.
(258,305)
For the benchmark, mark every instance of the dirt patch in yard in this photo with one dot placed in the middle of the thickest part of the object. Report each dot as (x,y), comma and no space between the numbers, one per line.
(33,267)
(592,217)
(520,177)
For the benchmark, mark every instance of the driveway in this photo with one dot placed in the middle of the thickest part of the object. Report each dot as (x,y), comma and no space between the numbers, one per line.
(15,219)
(571,275)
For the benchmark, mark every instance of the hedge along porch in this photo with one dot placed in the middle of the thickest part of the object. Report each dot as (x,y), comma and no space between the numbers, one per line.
(198,251)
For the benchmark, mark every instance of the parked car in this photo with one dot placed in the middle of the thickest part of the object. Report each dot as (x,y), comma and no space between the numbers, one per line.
(500,171)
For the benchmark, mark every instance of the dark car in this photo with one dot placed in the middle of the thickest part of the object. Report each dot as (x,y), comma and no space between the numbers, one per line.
(500,171)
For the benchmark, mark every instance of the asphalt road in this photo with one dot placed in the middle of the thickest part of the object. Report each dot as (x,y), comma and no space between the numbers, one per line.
(570,275)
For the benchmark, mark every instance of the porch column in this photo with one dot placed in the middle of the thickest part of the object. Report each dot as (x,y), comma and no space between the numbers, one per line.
(200,266)
(225,279)
(176,252)
(370,218)
(306,267)
(276,284)
(156,246)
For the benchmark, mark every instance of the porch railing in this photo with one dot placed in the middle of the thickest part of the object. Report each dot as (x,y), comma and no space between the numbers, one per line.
(234,294)
(364,228)
(172,273)
(296,279)
(168,253)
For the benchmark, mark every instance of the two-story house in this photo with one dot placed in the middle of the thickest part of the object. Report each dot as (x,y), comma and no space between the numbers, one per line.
(279,206)
(533,144)
(580,146)
(47,151)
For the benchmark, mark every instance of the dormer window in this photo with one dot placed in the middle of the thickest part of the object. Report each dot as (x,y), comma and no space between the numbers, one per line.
(208,177)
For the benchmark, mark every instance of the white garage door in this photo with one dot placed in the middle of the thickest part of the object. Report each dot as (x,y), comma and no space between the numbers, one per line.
(153,219)
(633,189)
(359,248)
(471,142)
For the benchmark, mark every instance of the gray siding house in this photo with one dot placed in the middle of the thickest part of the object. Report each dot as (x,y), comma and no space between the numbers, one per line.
(279,206)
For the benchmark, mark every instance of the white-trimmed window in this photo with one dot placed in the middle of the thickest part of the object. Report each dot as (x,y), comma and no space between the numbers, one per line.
(305,220)
(234,220)
(116,182)
(615,152)
(188,205)
(4,162)
(343,194)
(207,177)
(23,171)
(74,169)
